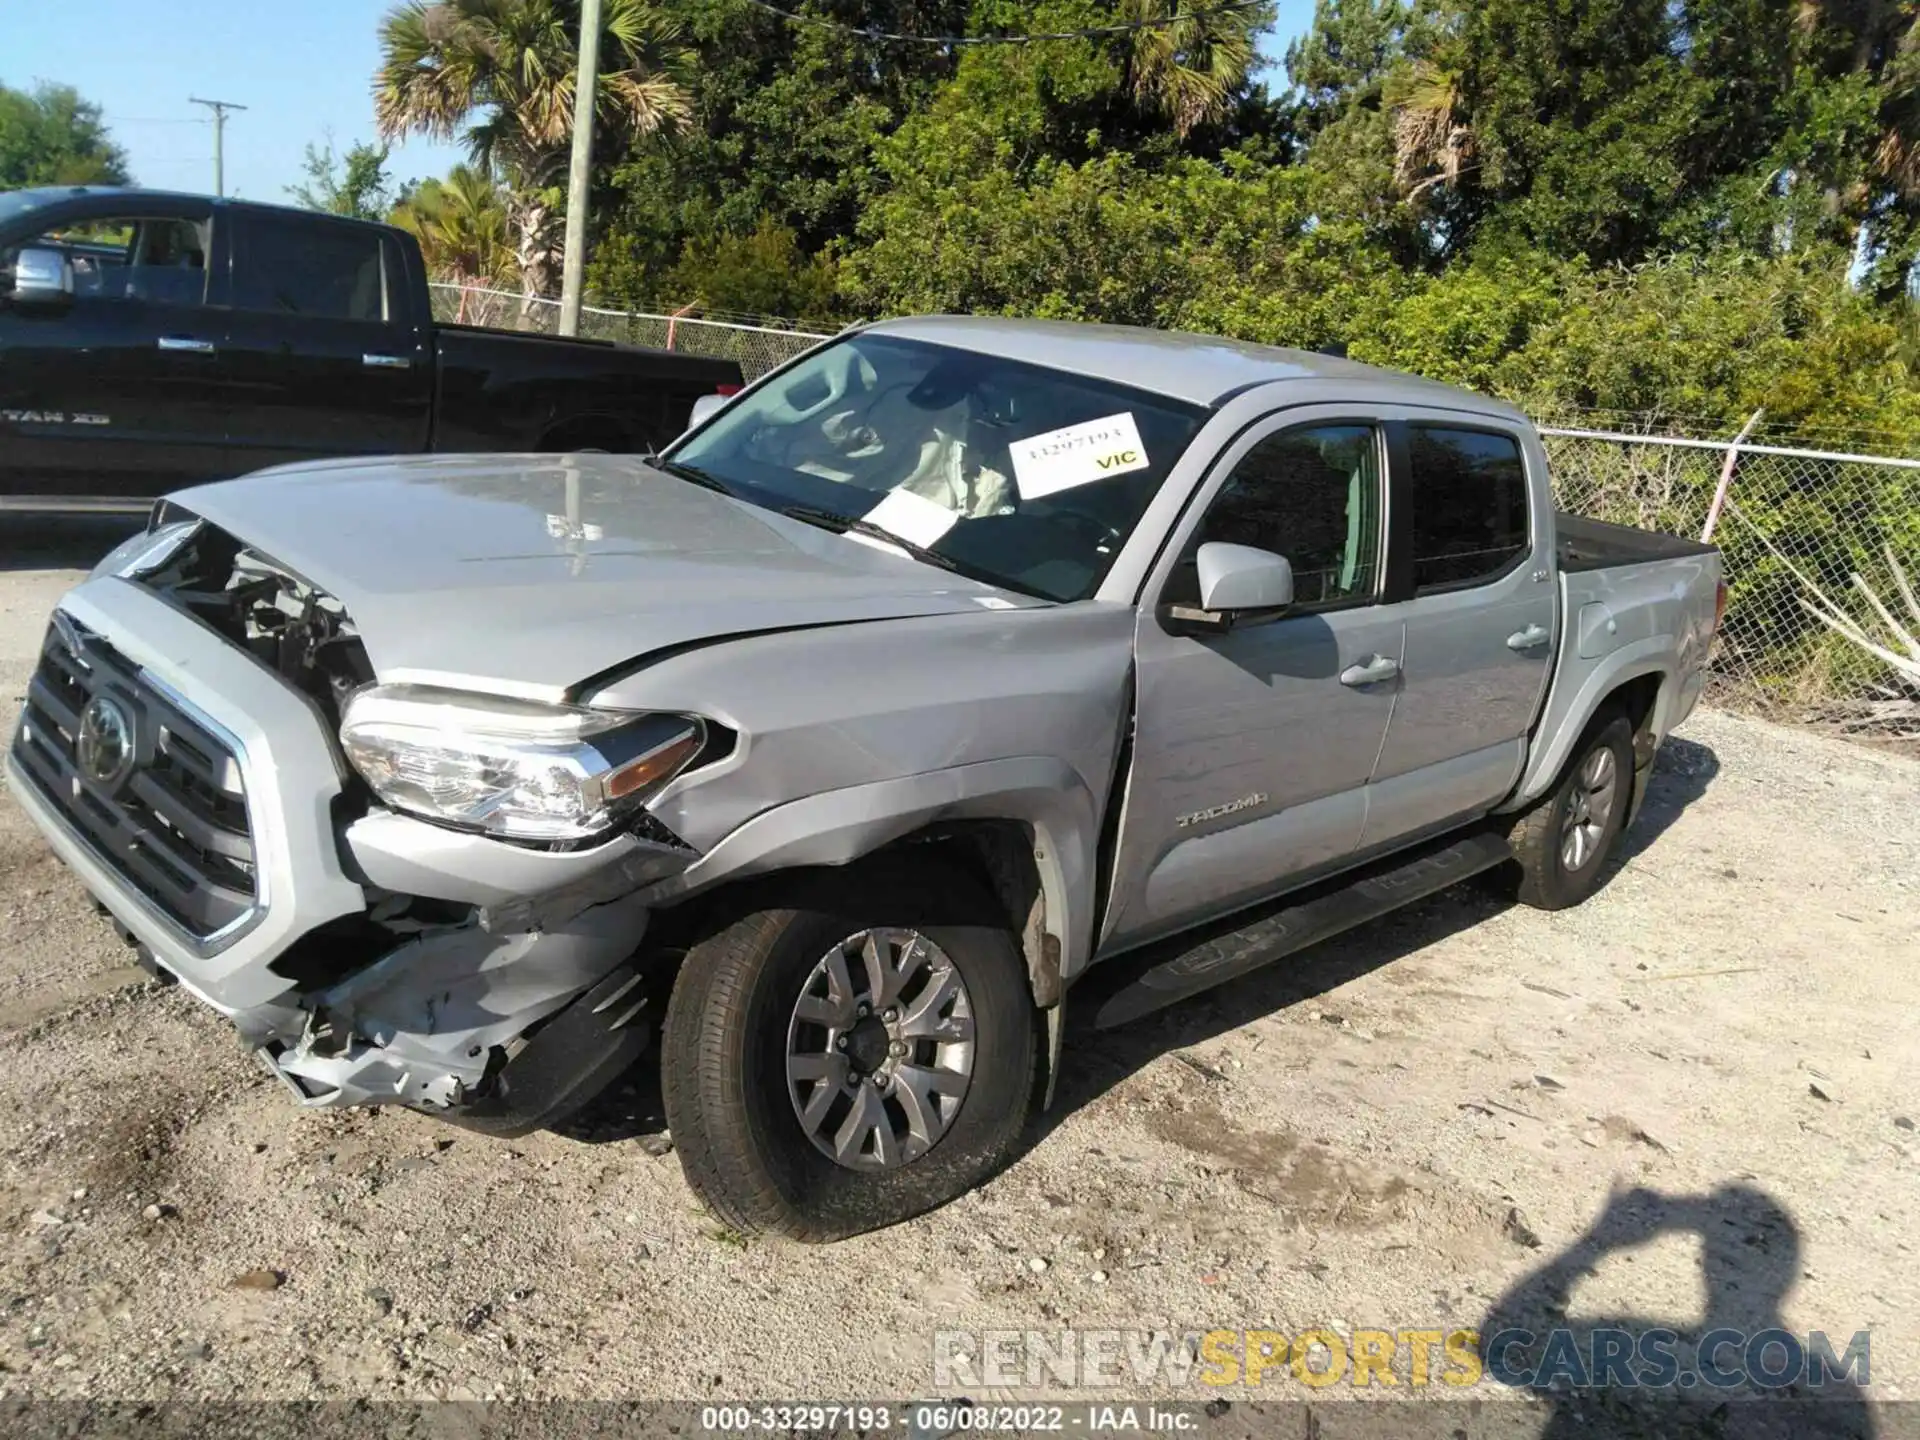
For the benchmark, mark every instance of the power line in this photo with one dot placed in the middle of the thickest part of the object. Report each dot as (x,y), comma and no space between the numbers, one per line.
(152,120)
(1088,32)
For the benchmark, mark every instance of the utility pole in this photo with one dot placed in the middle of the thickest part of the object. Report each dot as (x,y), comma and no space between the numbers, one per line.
(219,108)
(586,86)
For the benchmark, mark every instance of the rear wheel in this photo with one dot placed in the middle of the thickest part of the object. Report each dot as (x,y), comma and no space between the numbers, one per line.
(853,1055)
(1564,842)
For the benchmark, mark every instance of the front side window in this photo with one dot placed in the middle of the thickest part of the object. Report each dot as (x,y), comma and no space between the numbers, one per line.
(322,271)
(1312,495)
(1020,475)
(1469,506)
(160,259)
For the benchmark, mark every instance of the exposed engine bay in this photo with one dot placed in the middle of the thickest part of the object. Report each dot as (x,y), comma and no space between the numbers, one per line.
(300,631)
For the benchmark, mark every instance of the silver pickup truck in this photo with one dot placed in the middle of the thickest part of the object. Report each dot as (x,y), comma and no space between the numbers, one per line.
(958,670)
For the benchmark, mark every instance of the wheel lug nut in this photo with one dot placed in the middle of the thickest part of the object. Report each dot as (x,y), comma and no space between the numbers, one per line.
(863,1012)
(898,1047)
(841,1043)
(880,1081)
(891,1016)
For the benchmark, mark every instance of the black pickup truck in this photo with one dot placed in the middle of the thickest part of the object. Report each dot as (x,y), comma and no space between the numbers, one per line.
(151,340)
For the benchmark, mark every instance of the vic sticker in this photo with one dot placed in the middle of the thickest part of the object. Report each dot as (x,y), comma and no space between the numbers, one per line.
(1077,455)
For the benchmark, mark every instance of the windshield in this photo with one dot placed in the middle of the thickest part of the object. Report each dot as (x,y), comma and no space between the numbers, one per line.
(15,203)
(1022,476)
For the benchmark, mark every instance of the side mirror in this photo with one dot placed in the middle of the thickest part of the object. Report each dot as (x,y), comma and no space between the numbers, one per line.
(1236,582)
(705,408)
(1239,577)
(41,277)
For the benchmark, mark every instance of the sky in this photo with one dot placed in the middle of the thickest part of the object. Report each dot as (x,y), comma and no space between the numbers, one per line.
(302,67)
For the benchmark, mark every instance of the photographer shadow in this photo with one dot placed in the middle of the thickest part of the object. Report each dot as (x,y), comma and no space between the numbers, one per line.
(1750,1253)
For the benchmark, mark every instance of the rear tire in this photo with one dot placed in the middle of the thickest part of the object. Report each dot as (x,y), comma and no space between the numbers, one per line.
(1563,843)
(753,1048)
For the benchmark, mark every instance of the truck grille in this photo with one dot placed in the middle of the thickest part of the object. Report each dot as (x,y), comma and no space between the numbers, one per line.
(151,788)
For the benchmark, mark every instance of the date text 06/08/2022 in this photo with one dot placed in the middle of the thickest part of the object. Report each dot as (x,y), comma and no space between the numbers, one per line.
(949,1418)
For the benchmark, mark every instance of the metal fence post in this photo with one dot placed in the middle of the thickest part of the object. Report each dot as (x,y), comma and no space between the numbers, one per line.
(1726,476)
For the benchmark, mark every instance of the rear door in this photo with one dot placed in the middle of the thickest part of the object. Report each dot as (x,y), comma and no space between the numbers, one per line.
(1479,619)
(1253,748)
(116,395)
(324,354)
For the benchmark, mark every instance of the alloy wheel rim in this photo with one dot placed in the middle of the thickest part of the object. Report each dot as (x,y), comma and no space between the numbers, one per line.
(1589,809)
(880,1049)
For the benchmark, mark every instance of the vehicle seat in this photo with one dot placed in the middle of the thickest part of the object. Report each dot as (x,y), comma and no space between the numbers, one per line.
(167,265)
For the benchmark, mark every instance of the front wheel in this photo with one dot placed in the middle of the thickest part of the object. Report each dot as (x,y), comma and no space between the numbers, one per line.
(858,1052)
(1564,842)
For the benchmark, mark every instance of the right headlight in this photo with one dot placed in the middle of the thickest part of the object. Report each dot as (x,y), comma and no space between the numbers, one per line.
(513,768)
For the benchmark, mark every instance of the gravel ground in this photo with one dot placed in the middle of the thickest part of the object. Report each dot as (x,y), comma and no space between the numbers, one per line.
(1690,1101)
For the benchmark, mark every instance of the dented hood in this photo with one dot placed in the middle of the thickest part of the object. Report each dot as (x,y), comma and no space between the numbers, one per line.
(527,574)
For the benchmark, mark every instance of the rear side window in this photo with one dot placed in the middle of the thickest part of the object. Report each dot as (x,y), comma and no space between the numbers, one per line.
(318,270)
(1469,506)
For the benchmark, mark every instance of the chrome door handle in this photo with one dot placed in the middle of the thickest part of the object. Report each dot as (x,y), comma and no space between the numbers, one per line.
(186,345)
(386,362)
(1376,669)
(1528,639)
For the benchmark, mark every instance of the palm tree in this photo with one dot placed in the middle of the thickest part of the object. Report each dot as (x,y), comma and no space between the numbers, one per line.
(1432,139)
(1898,155)
(500,73)
(1882,42)
(1192,68)
(463,226)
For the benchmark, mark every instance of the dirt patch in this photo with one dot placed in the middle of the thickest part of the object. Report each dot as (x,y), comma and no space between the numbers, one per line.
(1306,1182)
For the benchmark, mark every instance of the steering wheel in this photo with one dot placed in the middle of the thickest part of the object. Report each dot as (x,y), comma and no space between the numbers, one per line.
(1081,520)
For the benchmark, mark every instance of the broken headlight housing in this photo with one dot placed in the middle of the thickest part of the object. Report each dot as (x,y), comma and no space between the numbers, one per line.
(513,768)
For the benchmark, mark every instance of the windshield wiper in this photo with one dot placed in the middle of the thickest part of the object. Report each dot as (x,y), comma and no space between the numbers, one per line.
(857,525)
(692,474)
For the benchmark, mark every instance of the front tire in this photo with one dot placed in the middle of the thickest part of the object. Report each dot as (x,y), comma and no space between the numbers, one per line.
(856,1052)
(1563,844)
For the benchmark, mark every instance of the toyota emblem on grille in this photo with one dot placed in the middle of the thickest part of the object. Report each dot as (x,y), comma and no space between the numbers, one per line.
(105,748)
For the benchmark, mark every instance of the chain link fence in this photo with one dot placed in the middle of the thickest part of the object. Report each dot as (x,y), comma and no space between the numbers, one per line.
(759,346)
(1792,520)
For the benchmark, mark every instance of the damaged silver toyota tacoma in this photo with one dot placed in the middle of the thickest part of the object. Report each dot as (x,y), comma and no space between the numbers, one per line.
(961,672)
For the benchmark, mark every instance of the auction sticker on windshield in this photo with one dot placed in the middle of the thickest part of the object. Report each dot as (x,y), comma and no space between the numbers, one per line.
(1077,455)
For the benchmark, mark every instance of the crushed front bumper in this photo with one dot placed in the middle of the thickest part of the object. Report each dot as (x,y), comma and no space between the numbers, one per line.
(517,1009)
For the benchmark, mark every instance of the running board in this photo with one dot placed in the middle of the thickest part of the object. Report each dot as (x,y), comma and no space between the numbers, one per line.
(1279,932)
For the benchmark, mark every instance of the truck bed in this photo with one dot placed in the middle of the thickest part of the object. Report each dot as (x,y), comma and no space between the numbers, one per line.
(1596,545)
(498,389)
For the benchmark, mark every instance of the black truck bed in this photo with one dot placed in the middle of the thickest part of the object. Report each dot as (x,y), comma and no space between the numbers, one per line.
(1596,545)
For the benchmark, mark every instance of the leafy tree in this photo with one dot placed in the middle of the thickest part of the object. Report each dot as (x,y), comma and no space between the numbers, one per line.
(764,272)
(1857,136)
(501,73)
(1342,63)
(786,121)
(355,185)
(50,136)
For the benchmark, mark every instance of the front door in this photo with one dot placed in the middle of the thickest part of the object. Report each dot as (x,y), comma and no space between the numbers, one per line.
(324,355)
(114,394)
(1253,748)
